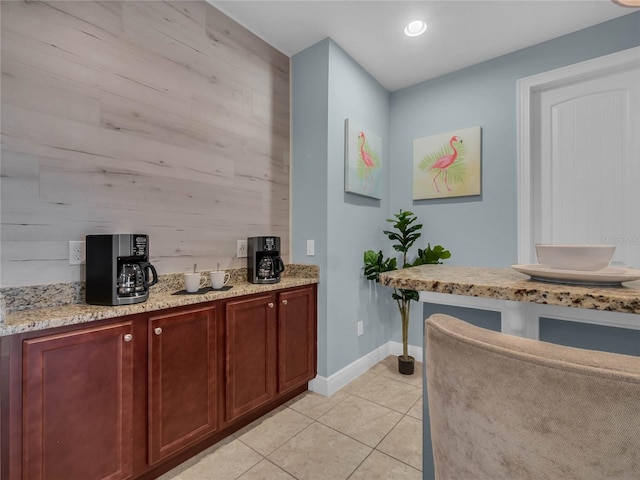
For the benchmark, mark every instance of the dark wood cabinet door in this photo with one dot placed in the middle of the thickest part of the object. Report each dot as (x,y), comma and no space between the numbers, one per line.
(77,404)
(250,354)
(296,338)
(182,380)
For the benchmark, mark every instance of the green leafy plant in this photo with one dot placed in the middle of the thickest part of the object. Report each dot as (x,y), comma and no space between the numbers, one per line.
(405,233)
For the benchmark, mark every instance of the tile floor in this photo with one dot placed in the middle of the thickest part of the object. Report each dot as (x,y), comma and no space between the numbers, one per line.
(371,429)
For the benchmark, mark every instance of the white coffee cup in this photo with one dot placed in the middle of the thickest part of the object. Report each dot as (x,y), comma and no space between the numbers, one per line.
(194,281)
(219,278)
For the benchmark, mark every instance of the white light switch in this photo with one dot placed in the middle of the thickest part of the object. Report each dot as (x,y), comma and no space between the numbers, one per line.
(360,328)
(311,248)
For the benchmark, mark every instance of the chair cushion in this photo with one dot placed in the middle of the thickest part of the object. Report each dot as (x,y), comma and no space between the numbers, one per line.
(505,407)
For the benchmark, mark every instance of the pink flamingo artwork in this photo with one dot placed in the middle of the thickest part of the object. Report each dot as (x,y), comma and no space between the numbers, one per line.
(366,159)
(444,162)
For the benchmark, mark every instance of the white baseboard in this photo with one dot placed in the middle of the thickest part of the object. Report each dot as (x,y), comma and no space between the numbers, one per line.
(327,386)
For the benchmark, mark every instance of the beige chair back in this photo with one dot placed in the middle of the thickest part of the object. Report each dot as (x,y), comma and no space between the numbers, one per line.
(505,407)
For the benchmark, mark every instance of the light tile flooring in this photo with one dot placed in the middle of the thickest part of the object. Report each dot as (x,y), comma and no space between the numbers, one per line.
(371,429)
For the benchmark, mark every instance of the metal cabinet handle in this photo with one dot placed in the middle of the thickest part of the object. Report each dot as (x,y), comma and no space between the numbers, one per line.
(128,337)
(284,302)
(157,331)
(270,304)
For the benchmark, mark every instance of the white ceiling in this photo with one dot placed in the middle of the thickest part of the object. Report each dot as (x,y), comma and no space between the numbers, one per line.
(459,34)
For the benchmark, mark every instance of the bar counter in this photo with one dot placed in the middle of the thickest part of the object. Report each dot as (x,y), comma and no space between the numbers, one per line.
(520,300)
(507,284)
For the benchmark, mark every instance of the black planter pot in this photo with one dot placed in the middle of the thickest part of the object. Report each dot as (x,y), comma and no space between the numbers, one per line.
(406,367)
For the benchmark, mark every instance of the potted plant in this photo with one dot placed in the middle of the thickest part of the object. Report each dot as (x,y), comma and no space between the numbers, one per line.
(405,233)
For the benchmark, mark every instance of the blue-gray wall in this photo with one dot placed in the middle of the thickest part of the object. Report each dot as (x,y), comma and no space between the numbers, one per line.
(354,221)
(592,337)
(343,224)
(309,208)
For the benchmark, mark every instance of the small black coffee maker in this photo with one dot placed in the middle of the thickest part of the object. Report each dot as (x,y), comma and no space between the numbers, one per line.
(118,269)
(264,264)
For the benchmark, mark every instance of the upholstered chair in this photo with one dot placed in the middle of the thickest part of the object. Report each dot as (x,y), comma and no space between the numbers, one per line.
(505,407)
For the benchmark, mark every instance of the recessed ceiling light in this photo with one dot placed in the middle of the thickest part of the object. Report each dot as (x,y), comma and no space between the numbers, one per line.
(415,28)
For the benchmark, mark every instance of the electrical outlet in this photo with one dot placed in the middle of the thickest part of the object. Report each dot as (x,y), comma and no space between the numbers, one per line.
(241,249)
(311,248)
(360,328)
(76,253)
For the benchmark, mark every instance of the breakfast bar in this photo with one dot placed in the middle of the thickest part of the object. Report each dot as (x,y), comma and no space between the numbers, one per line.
(520,299)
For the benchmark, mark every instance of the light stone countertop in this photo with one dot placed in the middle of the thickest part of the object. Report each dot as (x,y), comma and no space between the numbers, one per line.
(507,284)
(160,297)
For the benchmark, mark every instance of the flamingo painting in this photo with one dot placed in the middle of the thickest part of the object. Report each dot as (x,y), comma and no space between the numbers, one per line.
(362,161)
(445,166)
(366,159)
(444,162)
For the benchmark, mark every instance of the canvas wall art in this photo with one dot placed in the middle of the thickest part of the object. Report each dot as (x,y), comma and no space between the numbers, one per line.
(363,161)
(447,164)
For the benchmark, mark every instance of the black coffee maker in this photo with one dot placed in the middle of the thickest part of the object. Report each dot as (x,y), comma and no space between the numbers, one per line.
(118,269)
(264,264)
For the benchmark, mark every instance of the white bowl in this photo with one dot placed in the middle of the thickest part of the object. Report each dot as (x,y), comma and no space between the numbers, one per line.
(575,257)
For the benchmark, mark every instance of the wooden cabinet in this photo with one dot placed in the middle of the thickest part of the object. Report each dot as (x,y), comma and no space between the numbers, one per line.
(270,347)
(296,338)
(135,397)
(182,363)
(77,404)
(250,354)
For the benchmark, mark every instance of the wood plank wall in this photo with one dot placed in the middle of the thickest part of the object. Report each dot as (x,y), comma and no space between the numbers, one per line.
(166,118)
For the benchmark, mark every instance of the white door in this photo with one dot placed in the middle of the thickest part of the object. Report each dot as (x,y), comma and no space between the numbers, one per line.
(584,157)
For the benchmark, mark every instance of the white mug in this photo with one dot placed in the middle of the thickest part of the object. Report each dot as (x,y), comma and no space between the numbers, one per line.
(219,279)
(194,281)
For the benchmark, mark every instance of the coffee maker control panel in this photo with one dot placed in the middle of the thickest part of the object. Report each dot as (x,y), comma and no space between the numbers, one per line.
(269,244)
(140,245)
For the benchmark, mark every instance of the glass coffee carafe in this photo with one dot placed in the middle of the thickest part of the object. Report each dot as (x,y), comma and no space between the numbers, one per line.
(265,267)
(131,280)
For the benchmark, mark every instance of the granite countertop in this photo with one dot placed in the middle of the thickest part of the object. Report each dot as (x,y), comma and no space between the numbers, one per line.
(34,313)
(507,284)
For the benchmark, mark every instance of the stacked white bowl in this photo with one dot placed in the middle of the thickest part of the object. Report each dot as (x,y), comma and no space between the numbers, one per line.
(575,257)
